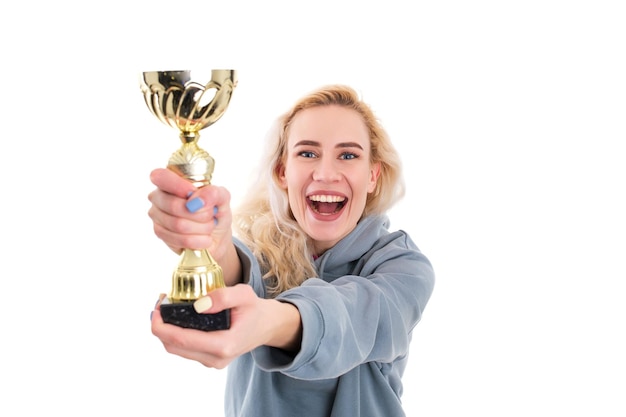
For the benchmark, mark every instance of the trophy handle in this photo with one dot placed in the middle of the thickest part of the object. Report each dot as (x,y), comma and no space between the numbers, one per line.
(218,105)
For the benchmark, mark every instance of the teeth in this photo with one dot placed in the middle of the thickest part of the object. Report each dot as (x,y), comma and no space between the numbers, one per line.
(326,198)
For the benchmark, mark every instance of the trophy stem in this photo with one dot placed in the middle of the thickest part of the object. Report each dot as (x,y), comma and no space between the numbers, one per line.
(193,163)
(189,137)
(197,274)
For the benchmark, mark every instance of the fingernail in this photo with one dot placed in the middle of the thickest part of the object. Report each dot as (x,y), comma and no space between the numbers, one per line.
(152,312)
(161,297)
(189,194)
(195,204)
(214,210)
(202,304)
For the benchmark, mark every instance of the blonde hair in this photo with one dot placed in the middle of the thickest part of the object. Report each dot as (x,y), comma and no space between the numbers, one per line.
(264,220)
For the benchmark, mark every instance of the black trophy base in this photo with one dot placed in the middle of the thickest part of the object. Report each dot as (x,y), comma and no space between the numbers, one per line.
(184,315)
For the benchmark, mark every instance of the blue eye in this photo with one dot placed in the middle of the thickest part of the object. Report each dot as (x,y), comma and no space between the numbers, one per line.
(348,155)
(307,154)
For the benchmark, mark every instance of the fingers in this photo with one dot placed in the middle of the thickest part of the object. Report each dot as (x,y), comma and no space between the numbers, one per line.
(217,349)
(201,205)
(177,241)
(207,348)
(207,197)
(171,223)
(188,217)
(213,200)
(171,183)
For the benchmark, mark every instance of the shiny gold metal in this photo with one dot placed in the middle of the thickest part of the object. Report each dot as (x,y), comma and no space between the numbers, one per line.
(188,105)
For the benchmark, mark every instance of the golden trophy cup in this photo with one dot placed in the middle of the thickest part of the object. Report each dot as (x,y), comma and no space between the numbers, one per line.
(189,106)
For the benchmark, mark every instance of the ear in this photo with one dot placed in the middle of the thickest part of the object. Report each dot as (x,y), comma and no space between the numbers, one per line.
(374,174)
(279,171)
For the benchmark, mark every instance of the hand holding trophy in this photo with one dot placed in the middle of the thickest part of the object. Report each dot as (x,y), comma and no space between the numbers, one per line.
(190,106)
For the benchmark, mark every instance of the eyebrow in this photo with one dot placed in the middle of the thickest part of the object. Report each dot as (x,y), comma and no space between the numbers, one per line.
(339,145)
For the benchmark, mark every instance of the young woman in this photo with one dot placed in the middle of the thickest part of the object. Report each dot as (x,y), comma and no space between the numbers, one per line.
(323,296)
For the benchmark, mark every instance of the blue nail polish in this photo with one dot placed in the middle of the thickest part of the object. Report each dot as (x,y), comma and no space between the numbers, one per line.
(214,210)
(152,312)
(195,204)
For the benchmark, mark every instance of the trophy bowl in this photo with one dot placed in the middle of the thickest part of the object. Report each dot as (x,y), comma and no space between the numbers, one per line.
(178,100)
(187,103)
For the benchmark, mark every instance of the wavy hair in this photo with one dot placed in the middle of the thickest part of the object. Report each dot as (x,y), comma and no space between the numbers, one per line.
(264,221)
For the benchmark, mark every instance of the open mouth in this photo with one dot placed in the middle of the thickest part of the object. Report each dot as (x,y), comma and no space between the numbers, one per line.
(326,204)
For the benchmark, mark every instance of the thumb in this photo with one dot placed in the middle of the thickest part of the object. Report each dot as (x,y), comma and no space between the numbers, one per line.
(203,305)
(223,298)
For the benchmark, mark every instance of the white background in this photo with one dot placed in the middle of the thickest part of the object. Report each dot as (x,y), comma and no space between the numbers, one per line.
(510,120)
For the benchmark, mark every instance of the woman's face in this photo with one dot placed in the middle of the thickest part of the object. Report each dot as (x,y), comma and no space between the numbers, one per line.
(327,172)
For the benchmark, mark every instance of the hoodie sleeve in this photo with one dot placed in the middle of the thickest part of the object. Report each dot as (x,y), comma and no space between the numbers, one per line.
(250,268)
(363,317)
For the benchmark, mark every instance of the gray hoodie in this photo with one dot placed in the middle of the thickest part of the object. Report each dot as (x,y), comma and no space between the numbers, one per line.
(357,316)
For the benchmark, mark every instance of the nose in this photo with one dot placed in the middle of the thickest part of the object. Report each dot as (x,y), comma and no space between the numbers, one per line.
(326,170)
